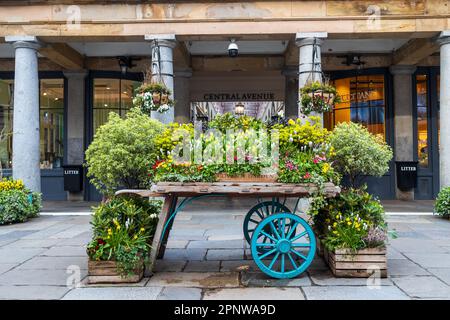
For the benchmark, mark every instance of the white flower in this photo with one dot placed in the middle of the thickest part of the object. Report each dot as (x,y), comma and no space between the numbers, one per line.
(281,113)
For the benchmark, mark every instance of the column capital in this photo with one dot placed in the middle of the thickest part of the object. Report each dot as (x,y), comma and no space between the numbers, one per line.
(402,69)
(309,38)
(24,41)
(186,73)
(75,74)
(165,40)
(443,38)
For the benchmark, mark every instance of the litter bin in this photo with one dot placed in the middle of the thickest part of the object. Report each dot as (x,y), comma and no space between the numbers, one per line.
(406,175)
(73,178)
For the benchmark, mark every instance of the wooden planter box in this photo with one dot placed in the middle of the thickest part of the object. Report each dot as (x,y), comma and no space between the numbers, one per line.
(106,272)
(346,263)
(247,177)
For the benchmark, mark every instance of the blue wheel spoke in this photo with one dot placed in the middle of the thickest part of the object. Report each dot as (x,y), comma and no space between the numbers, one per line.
(274,229)
(260,214)
(283,227)
(282,262)
(268,236)
(267,254)
(292,230)
(251,230)
(265,244)
(292,260)
(274,260)
(254,221)
(304,233)
(302,245)
(299,254)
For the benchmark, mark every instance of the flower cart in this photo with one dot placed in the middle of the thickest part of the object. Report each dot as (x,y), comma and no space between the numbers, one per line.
(282,243)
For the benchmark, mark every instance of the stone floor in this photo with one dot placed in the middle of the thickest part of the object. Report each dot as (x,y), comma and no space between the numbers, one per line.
(207,258)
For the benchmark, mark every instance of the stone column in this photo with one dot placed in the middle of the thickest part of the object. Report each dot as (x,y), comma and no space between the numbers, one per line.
(75,122)
(26,151)
(182,96)
(162,67)
(444,148)
(403,119)
(291,92)
(310,66)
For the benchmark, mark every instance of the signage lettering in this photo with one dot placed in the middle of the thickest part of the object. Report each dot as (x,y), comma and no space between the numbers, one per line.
(408,169)
(251,96)
(71,172)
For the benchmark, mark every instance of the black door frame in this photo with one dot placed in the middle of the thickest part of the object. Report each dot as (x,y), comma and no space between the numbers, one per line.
(89,113)
(389,119)
(432,171)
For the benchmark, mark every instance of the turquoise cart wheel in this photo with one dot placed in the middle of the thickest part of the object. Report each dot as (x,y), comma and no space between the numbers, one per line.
(258,213)
(288,249)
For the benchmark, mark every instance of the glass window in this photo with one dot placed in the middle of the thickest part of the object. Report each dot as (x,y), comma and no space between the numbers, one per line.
(422,119)
(112,95)
(6,122)
(51,122)
(362,101)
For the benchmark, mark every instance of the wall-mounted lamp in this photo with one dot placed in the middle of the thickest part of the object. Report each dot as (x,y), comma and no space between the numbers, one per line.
(125,63)
(239,109)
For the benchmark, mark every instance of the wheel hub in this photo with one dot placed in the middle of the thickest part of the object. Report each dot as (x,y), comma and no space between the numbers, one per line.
(284,246)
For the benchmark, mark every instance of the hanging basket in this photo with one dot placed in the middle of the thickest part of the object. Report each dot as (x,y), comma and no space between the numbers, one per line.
(153,97)
(317,97)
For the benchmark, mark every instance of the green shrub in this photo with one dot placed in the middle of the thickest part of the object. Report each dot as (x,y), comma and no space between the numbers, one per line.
(358,152)
(442,206)
(15,206)
(122,152)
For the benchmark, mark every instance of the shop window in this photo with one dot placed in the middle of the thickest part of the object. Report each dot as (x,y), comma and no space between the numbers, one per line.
(51,122)
(422,120)
(362,101)
(112,95)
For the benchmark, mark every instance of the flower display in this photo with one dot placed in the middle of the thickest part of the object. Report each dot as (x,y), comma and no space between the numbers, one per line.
(317,97)
(153,97)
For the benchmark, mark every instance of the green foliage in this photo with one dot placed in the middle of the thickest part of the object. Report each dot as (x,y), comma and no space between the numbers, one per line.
(442,206)
(353,219)
(123,228)
(228,121)
(171,137)
(122,151)
(318,97)
(18,206)
(357,152)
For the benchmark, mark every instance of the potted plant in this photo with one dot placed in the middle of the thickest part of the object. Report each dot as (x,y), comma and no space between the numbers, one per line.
(153,97)
(353,233)
(123,228)
(318,97)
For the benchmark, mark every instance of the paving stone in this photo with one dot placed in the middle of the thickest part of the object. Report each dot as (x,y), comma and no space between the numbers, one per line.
(54,263)
(217,244)
(46,243)
(38,277)
(318,264)
(234,265)
(6,267)
(430,260)
(260,279)
(393,253)
(114,293)
(442,273)
(195,279)
(254,294)
(326,278)
(32,292)
(179,293)
(18,255)
(47,232)
(404,267)
(202,266)
(353,293)
(66,251)
(186,237)
(169,265)
(220,237)
(15,234)
(187,232)
(185,254)
(235,231)
(72,232)
(416,246)
(423,287)
(225,254)
(177,244)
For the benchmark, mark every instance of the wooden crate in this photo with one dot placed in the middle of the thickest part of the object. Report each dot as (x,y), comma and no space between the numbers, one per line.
(246,177)
(106,272)
(348,264)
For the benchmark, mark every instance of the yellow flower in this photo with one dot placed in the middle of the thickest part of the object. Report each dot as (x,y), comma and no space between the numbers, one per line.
(135,237)
(349,223)
(291,122)
(109,231)
(335,224)
(142,230)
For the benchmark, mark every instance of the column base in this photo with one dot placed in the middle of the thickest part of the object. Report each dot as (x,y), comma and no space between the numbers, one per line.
(404,195)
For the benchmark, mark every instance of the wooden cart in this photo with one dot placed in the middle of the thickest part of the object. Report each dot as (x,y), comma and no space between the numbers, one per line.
(282,244)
